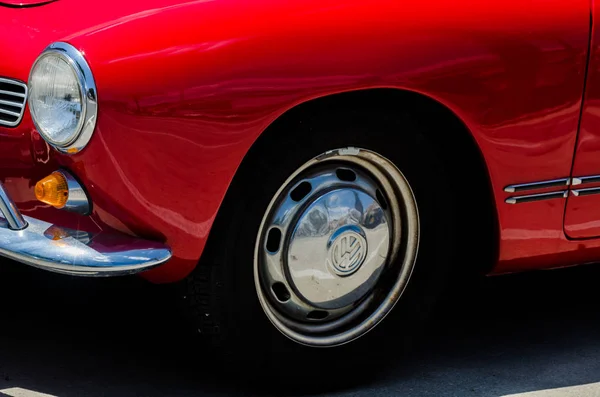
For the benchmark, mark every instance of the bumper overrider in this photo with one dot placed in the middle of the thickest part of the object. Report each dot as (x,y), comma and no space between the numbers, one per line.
(44,245)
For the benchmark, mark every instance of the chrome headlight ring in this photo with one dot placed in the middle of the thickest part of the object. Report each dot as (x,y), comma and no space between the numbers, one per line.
(82,134)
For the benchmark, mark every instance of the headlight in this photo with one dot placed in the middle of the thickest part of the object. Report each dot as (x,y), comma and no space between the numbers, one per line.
(62,98)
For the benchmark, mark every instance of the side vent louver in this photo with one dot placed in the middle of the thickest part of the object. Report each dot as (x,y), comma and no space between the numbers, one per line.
(13,96)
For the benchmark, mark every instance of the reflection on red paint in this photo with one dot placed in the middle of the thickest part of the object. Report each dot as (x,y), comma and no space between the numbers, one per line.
(186,87)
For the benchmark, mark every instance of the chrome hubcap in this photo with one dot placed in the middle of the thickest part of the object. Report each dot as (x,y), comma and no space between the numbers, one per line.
(336,247)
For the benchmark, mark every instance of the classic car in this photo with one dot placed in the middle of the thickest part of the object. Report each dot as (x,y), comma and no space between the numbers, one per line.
(300,169)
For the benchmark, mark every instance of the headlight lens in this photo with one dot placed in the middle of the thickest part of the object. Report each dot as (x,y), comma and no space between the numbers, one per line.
(62,98)
(55,99)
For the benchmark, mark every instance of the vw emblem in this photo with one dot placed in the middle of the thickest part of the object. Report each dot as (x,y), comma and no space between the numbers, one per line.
(347,252)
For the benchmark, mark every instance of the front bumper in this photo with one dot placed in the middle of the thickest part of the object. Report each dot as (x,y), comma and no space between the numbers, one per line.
(54,248)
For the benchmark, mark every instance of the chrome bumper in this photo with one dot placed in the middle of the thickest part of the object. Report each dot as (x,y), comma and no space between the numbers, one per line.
(54,248)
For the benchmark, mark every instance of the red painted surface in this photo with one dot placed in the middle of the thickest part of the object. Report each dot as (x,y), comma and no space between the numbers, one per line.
(186,87)
(582,215)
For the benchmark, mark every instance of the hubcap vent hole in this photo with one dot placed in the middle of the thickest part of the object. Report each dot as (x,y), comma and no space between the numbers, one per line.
(317,315)
(344,174)
(273,240)
(281,292)
(300,191)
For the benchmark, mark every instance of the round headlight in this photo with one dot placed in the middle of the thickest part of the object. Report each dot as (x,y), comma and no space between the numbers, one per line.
(62,98)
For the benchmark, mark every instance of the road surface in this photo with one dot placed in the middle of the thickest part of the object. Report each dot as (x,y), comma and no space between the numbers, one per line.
(536,334)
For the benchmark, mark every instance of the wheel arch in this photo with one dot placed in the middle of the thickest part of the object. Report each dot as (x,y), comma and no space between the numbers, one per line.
(471,169)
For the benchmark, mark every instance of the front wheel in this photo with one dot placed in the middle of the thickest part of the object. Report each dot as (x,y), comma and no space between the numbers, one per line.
(326,228)
(336,247)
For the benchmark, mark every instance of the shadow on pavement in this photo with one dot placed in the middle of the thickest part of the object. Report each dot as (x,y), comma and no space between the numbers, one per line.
(120,337)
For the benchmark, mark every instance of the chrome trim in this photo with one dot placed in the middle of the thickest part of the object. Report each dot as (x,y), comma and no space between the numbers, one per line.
(336,325)
(88,92)
(536,197)
(10,103)
(585,192)
(337,233)
(9,112)
(10,211)
(537,185)
(53,248)
(582,180)
(21,105)
(78,201)
(17,94)
(62,250)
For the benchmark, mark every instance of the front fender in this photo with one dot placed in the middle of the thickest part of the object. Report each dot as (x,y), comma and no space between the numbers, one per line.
(185,88)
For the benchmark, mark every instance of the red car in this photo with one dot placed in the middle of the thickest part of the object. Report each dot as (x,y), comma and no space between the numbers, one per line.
(300,166)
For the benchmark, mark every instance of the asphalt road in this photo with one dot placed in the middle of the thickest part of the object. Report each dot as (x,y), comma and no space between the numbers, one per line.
(535,334)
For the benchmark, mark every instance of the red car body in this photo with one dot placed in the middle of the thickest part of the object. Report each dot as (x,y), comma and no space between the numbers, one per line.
(186,87)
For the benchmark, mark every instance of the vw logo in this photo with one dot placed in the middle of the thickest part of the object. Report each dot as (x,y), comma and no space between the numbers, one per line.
(347,252)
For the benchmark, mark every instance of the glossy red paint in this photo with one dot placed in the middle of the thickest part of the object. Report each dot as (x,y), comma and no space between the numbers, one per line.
(185,88)
(582,216)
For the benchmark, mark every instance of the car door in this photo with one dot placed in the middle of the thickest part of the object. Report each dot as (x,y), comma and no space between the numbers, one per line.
(582,214)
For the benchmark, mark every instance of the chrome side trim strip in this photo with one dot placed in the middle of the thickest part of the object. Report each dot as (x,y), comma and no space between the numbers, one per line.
(537,197)
(581,180)
(586,192)
(10,212)
(537,185)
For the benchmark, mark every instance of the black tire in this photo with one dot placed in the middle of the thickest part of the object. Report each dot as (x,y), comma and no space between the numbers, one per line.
(220,295)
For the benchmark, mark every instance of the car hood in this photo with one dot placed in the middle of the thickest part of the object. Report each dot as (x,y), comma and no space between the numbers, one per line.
(29,26)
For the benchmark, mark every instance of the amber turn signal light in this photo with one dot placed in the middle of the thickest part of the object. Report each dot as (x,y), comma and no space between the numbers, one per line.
(53,190)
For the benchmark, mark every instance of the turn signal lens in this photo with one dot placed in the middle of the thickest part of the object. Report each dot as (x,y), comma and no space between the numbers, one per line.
(53,190)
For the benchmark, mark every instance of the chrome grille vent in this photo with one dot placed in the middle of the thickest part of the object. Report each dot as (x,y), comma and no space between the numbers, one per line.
(13,96)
